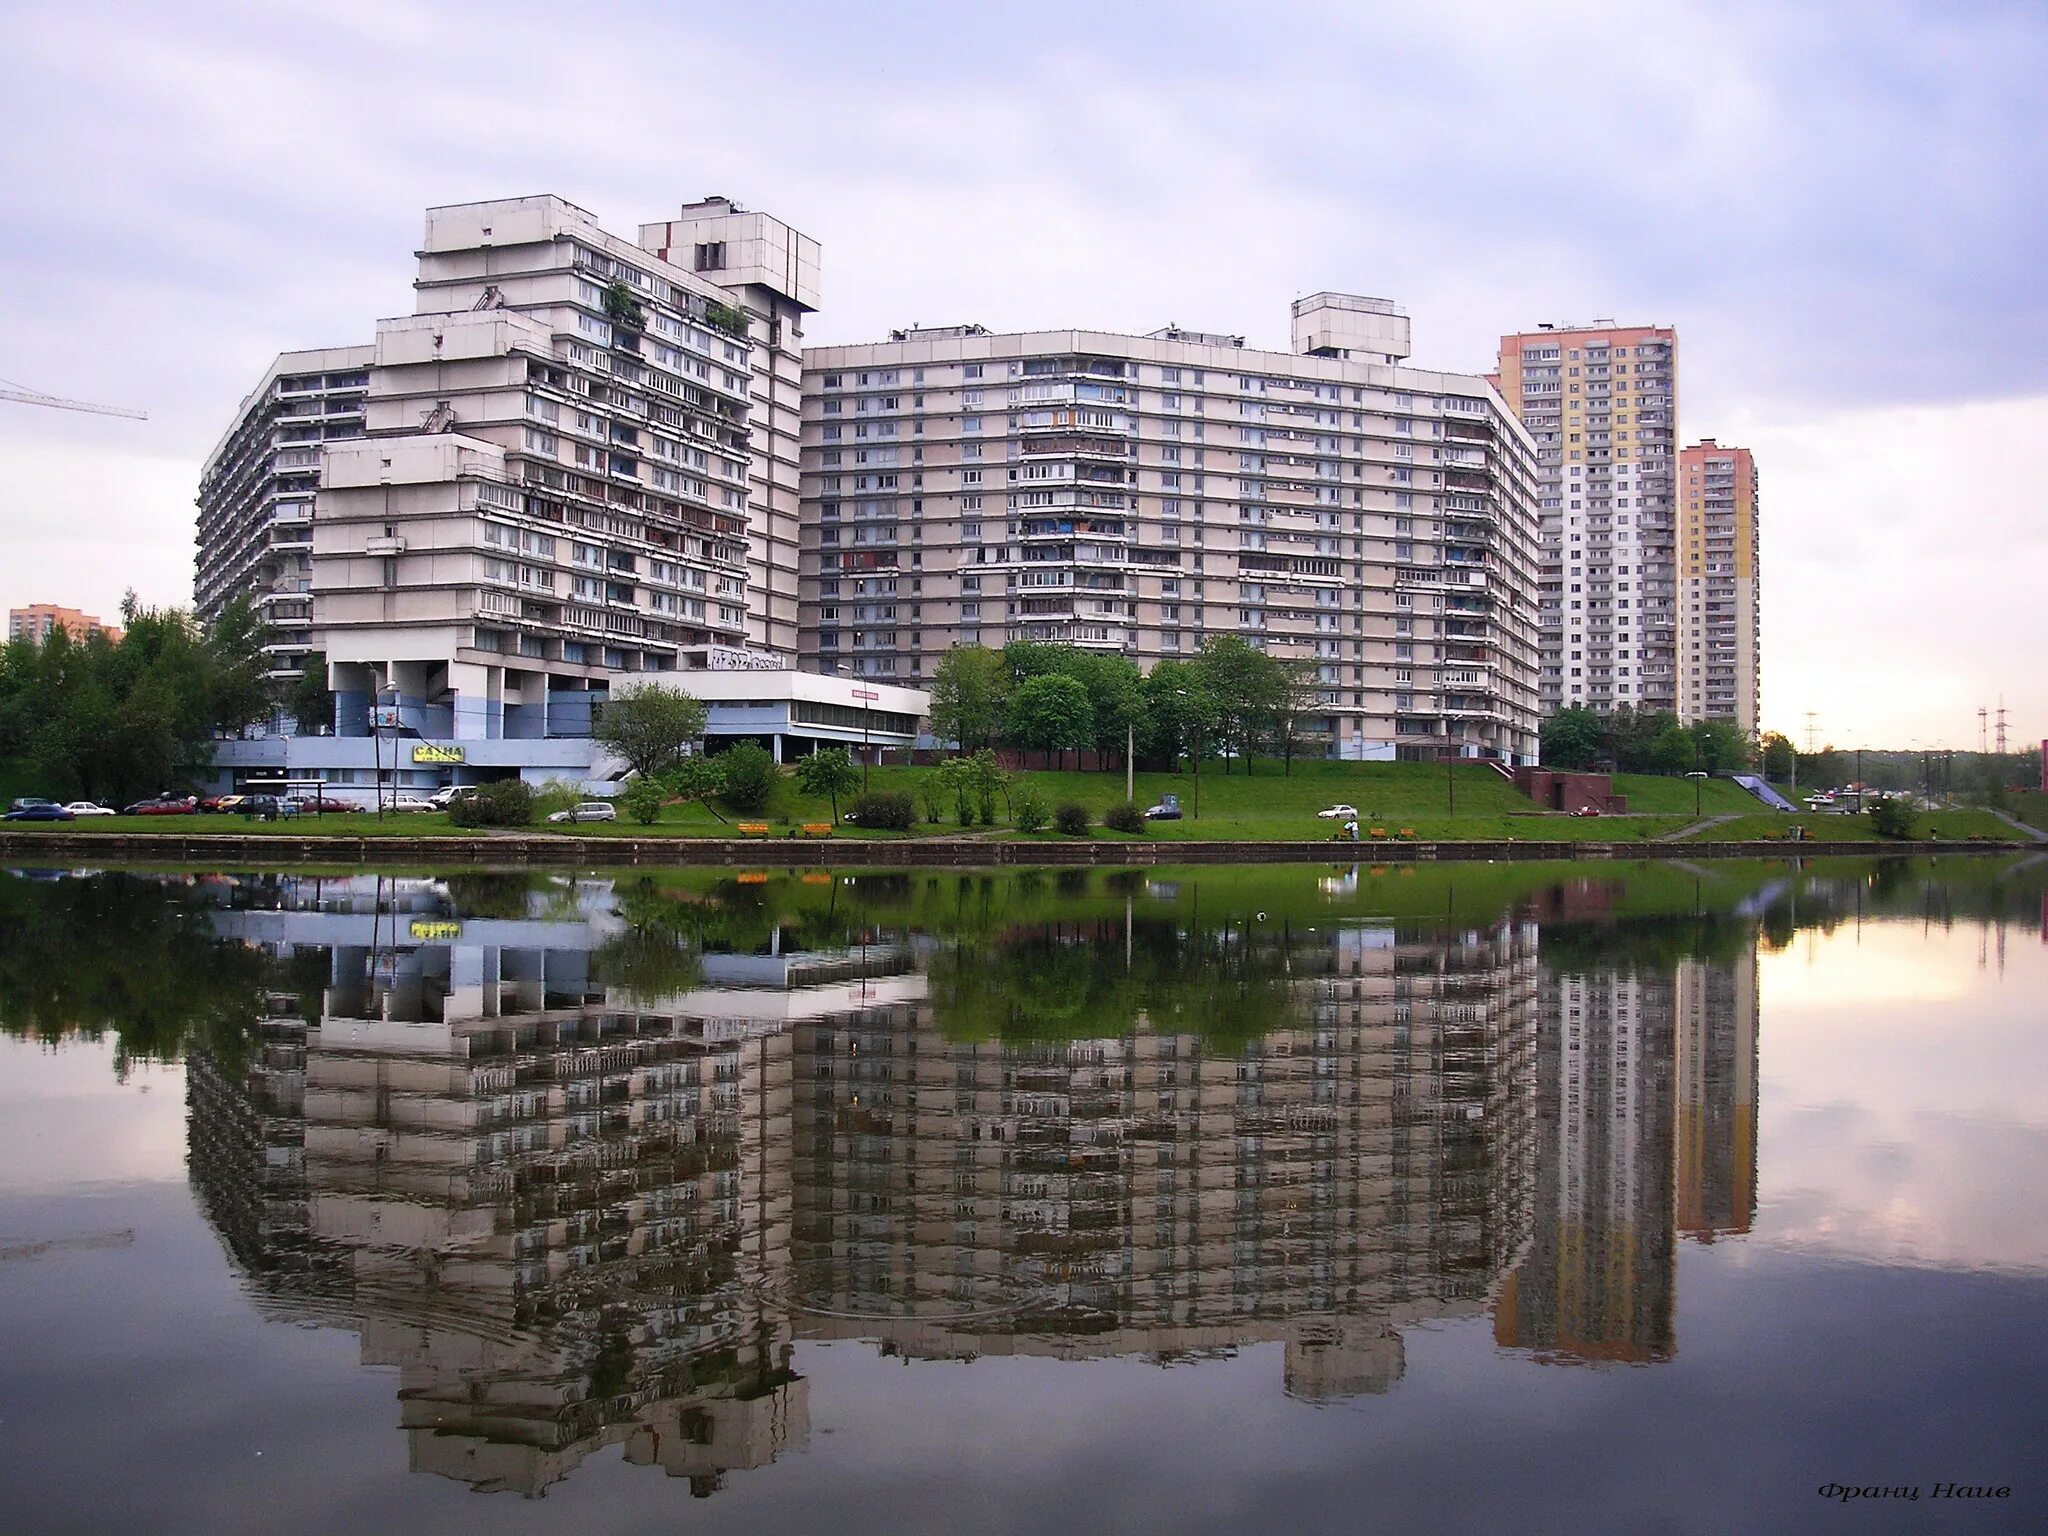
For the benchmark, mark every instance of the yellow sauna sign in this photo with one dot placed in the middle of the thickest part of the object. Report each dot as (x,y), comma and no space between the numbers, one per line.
(425,928)
(427,752)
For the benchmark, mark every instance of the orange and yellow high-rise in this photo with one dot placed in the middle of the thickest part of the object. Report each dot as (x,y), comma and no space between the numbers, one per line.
(1601,400)
(1719,625)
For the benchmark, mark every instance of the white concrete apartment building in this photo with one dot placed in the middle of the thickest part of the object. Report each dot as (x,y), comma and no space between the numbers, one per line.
(1602,403)
(552,488)
(576,467)
(1139,494)
(1719,618)
(256,493)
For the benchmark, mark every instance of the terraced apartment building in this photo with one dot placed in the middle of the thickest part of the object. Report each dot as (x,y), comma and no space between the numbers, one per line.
(254,535)
(1601,401)
(1141,494)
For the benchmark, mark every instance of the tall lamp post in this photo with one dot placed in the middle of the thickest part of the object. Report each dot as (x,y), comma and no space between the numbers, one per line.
(379,723)
(1196,813)
(867,696)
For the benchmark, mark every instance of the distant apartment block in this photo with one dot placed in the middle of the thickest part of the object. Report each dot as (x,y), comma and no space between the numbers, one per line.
(38,620)
(1142,494)
(258,490)
(1718,574)
(1602,403)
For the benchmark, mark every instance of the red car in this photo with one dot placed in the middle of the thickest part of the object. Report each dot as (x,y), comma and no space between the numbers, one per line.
(324,805)
(162,806)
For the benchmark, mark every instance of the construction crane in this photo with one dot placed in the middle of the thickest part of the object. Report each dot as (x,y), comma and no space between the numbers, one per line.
(23,395)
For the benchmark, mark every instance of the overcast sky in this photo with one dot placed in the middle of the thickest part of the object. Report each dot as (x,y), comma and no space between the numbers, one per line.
(1840,206)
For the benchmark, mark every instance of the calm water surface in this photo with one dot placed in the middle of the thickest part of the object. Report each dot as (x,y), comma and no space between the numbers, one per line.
(1623,1197)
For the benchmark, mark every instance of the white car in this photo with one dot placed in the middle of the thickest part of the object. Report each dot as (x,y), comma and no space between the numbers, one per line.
(441,799)
(410,803)
(1340,813)
(87,808)
(589,810)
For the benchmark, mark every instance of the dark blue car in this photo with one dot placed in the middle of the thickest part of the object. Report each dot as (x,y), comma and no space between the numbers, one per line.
(43,812)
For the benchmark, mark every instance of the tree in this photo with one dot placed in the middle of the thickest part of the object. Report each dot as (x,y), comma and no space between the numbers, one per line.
(1179,713)
(697,778)
(1673,752)
(1778,757)
(986,779)
(1722,745)
(1572,739)
(970,687)
(643,800)
(1241,679)
(750,777)
(1892,816)
(1116,699)
(240,682)
(308,698)
(1297,699)
(1636,741)
(650,727)
(1050,713)
(829,772)
(931,794)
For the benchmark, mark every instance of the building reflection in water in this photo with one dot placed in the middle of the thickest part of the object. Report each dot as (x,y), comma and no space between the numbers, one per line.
(572,1213)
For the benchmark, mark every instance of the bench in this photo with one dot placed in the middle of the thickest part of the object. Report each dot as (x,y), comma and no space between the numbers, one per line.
(1378,832)
(817,829)
(1406,832)
(753,829)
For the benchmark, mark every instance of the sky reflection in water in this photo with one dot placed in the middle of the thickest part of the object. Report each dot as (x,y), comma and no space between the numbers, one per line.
(1594,1198)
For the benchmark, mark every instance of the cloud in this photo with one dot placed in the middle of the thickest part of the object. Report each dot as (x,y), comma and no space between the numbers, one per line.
(1841,219)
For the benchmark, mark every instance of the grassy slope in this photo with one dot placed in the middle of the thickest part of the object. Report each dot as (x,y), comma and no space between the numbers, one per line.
(1948,825)
(1266,805)
(2032,808)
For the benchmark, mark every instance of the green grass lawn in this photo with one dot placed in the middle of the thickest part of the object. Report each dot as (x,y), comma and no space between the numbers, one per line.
(2032,808)
(1268,805)
(1948,825)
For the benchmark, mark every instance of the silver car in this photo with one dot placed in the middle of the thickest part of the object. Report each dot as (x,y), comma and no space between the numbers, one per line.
(589,810)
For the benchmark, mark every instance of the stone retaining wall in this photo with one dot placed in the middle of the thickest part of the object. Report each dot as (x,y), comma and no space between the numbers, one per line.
(224,848)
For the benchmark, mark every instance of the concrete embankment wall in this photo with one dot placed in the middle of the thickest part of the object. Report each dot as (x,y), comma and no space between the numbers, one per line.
(222,849)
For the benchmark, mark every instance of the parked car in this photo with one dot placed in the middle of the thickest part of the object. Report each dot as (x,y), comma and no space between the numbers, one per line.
(265,807)
(324,805)
(1339,813)
(1168,809)
(42,811)
(29,802)
(588,810)
(161,805)
(88,808)
(410,803)
(441,799)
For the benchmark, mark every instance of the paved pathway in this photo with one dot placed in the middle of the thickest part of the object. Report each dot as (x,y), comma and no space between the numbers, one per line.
(1684,834)
(2021,827)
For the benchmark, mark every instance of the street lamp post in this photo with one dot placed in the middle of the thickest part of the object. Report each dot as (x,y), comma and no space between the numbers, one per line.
(1130,769)
(867,715)
(1196,813)
(389,692)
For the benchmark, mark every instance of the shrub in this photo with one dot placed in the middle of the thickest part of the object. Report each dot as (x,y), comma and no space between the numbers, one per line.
(501,803)
(643,800)
(750,777)
(1893,816)
(889,809)
(1124,817)
(1029,809)
(931,794)
(1072,819)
